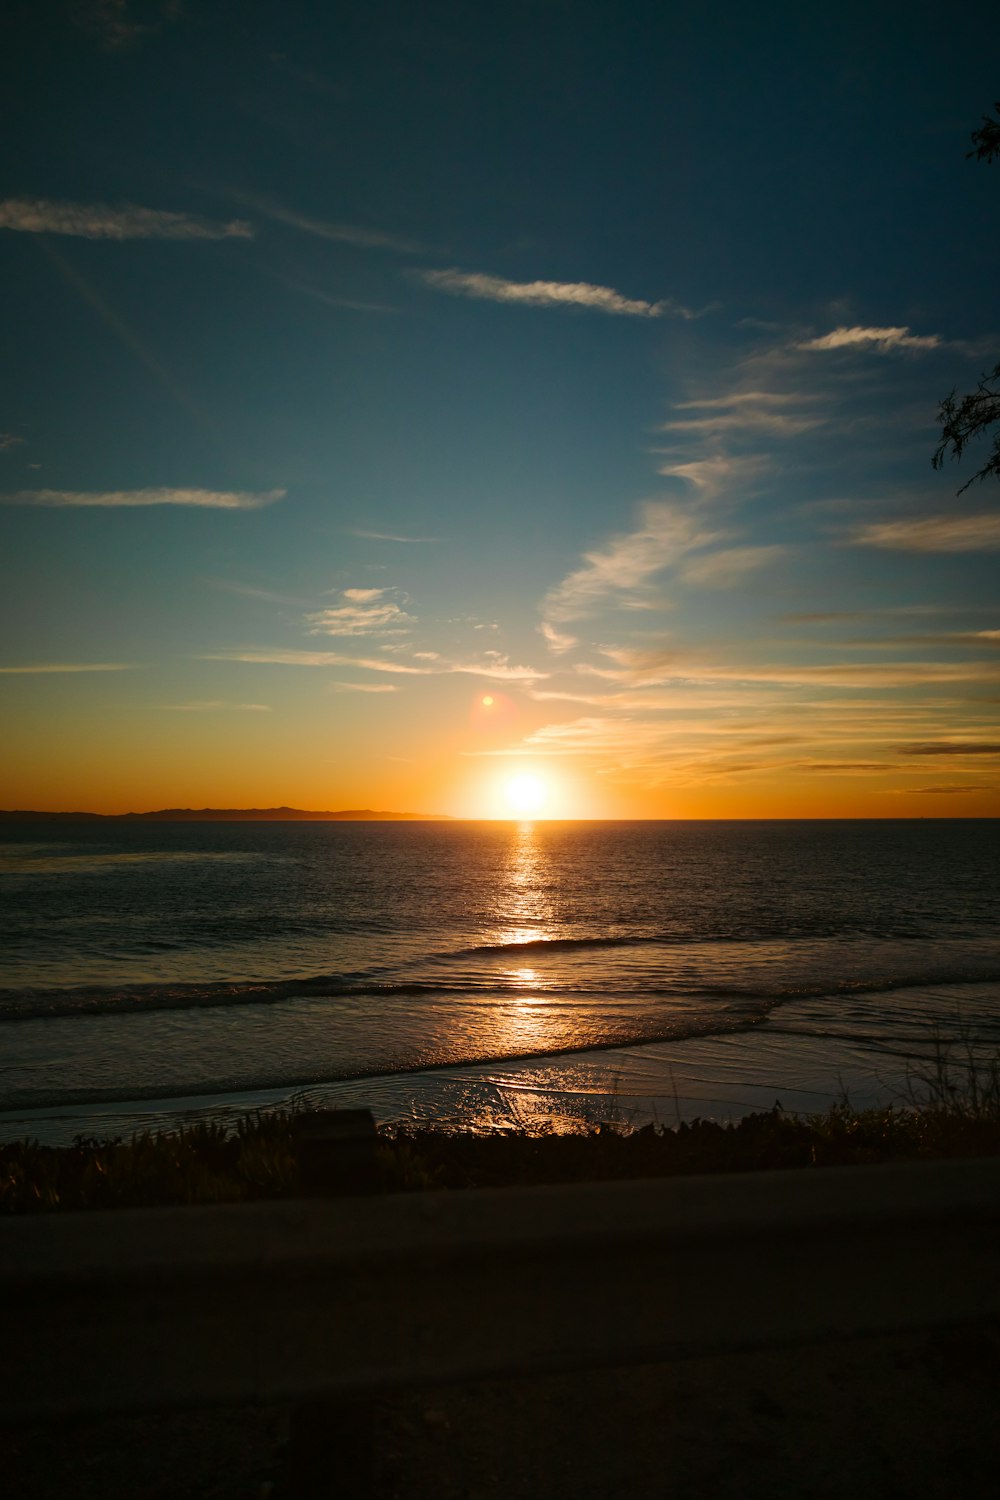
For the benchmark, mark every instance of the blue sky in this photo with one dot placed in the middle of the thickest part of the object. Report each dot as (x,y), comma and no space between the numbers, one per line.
(365,362)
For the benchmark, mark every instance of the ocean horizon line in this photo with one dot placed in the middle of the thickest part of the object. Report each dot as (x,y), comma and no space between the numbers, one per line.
(372,815)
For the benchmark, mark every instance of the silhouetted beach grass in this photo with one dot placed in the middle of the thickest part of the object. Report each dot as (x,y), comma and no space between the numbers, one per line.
(952,1110)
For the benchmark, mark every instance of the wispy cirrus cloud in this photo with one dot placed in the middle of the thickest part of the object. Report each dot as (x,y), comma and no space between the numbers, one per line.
(676,736)
(718,475)
(100,221)
(861,674)
(353,304)
(493,665)
(661,748)
(730,566)
(829,616)
(626,748)
(365,687)
(985,639)
(362,612)
(479,285)
(280,657)
(359,235)
(876,340)
(596,734)
(214,705)
(392,536)
(951,747)
(750,413)
(686,696)
(946,790)
(201,499)
(947,533)
(558,640)
(635,666)
(665,534)
(252,591)
(75,666)
(496,666)
(839,767)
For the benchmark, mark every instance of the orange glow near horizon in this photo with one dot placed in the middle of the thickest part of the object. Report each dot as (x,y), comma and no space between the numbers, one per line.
(235,770)
(458,762)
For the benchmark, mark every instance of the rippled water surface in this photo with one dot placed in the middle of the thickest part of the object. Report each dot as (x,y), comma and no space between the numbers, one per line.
(145,960)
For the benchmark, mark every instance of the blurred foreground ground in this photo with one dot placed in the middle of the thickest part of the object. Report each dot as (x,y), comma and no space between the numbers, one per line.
(886,1417)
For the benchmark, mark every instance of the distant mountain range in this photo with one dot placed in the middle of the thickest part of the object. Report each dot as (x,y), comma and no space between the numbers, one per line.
(227,815)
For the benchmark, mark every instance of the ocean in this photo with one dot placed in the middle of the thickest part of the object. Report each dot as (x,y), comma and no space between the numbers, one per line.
(486,974)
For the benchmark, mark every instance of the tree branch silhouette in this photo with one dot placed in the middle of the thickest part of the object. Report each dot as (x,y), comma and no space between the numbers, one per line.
(966,418)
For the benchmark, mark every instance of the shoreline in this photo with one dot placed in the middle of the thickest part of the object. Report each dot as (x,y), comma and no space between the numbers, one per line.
(806,1055)
(721,1077)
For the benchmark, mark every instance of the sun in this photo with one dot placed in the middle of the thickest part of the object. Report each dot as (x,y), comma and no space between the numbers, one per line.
(526,794)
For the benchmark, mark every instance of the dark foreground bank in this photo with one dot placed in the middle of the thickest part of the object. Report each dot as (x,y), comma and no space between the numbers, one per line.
(889,1415)
(883,1417)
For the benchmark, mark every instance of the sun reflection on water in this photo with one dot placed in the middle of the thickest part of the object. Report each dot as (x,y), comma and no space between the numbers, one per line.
(523,899)
(525,910)
(513,937)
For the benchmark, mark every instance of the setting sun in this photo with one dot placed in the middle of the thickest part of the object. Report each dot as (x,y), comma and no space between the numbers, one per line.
(526,794)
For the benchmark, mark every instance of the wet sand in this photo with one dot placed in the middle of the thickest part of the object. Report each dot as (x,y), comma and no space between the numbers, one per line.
(720,1077)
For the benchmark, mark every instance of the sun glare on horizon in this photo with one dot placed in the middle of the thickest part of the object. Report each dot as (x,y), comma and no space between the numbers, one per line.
(526,794)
